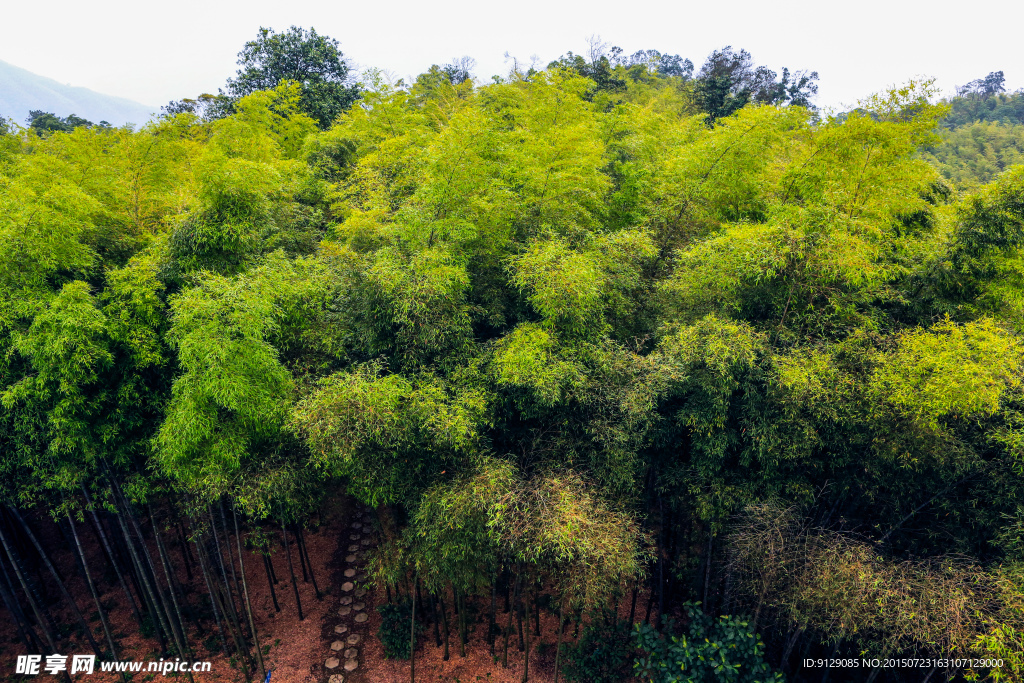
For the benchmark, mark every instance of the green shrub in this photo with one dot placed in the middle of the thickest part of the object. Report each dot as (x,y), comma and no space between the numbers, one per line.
(603,654)
(394,629)
(712,651)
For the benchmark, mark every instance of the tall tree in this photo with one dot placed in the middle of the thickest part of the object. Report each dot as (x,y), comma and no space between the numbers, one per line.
(312,60)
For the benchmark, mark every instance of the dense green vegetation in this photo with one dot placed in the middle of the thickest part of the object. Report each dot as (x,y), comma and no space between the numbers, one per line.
(603,329)
(982,135)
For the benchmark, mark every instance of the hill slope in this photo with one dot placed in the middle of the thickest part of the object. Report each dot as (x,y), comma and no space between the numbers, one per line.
(22,91)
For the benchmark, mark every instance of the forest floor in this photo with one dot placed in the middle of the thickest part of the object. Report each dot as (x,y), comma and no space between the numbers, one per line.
(297,651)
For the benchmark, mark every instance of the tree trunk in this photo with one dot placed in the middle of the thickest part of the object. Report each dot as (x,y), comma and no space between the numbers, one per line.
(146,591)
(213,599)
(245,592)
(460,601)
(171,582)
(92,590)
(431,598)
(291,568)
(526,651)
(444,618)
(113,560)
(508,626)
(558,642)
(305,551)
(490,623)
(236,631)
(29,596)
(60,584)
(412,641)
(231,563)
(270,582)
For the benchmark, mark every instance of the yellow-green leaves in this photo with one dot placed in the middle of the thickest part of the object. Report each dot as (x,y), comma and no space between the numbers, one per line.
(43,231)
(950,371)
(386,432)
(527,358)
(234,395)
(574,289)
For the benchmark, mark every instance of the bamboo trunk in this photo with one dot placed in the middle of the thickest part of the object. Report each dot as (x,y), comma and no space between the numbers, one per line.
(60,583)
(245,592)
(270,582)
(92,590)
(29,594)
(558,643)
(113,561)
(301,537)
(169,575)
(213,600)
(291,569)
(412,641)
(526,651)
(444,618)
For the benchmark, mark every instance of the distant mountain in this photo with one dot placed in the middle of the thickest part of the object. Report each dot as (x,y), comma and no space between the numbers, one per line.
(22,91)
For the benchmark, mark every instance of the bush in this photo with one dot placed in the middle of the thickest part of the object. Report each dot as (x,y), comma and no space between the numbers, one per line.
(394,629)
(725,649)
(603,654)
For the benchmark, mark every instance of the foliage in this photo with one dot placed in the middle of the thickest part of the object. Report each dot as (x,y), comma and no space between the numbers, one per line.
(603,653)
(394,630)
(304,57)
(722,649)
(44,122)
(555,328)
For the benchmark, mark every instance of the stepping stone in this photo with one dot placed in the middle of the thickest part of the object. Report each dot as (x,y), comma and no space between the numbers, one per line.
(361,617)
(365,541)
(359,606)
(351,653)
(344,611)
(354,547)
(351,558)
(351,665)
(333,662)
(347,600)
(349,573)
(357,525)
(360,592)
(347,586)
(341,628)
(353,639)
(336,678)
(337,645)
(354,537)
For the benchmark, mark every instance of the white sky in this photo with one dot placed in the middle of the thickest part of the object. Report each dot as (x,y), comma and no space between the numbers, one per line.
(157,51)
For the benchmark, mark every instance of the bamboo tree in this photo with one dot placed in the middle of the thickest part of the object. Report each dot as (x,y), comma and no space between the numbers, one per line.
(29,593)
(178,622)
(444,619)
(92,590)
(245,590)
(60,583)
(291,569)
(156,614)
(25,631)
(270,581)
(412,640)
(213,599)
(110,554)
(526,651)
(558,640)
(300,538)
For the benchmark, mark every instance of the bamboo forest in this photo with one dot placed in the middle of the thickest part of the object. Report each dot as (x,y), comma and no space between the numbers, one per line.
(616,368)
